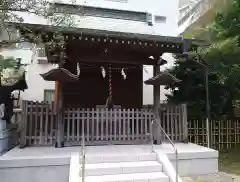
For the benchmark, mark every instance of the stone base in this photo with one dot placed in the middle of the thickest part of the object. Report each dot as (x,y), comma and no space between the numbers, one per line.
(3,125)
(4,137)
(4,141)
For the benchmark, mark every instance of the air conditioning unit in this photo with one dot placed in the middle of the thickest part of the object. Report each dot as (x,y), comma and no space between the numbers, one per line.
(42,60)
(150,19)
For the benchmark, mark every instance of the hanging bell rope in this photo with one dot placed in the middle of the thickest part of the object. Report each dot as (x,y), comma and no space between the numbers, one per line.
(109,102)
(110,82)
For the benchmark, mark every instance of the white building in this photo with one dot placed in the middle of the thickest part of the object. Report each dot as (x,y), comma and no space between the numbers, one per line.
(164,17)
(167,19)
(195,15)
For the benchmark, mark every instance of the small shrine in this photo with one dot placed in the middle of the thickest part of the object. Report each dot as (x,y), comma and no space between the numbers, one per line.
(99,93)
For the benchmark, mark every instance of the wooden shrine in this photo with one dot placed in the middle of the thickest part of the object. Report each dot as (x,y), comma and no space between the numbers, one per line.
(100,90)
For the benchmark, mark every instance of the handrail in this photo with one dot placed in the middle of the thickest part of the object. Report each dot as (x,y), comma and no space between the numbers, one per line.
(171,142)
(83,153)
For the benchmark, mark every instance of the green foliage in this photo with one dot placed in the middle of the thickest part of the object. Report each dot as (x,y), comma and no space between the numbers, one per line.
(224,80)
(223,61)
(49,10)
(228,22)
(7,62)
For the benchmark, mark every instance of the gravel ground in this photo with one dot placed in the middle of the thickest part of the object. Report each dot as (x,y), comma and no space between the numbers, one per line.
(219,177)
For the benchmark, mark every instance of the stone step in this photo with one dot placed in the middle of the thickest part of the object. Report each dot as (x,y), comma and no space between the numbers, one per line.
(135,177)
(117,158)
(122,168)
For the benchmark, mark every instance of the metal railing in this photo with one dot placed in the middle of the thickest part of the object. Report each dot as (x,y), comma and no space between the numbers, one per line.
(83,153)
(171,142)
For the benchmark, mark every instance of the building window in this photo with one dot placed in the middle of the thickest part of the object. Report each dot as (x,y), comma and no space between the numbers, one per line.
(101,12)
(149,19)
(160,19)
(49,95)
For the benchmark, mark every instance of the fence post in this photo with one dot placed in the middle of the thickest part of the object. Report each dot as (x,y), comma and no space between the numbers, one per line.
(60,129)
(23,124)
(185,123)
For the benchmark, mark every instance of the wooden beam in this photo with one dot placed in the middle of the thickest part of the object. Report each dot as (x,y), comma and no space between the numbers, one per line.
(123,45)
(114,57)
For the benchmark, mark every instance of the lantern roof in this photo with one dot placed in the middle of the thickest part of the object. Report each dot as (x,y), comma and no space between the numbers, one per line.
(164,78)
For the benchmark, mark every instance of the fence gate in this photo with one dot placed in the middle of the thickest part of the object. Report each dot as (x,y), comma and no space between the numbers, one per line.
(107,126)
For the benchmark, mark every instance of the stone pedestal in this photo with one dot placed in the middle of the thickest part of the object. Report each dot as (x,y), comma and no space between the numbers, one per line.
(4,137)
(3,125)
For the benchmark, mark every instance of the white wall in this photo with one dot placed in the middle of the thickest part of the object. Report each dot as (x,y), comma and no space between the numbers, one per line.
(34,169)
(25,54)
(36,174)
(156,7)
(148,73)
(36,84)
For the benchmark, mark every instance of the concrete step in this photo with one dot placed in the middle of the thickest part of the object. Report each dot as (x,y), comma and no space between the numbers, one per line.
(122,168)
(117,158)
(136,177)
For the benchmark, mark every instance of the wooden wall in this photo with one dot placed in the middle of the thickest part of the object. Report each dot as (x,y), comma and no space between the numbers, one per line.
(92,89)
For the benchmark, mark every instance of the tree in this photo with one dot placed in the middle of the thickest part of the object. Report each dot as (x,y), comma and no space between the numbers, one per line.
(227,22)
(222,59)
(7,62)
(13,12)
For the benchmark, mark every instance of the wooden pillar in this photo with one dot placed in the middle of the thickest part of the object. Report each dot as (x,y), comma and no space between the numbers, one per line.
(60,119)
(56,96)
(23,124)
(60,110)
(156,102)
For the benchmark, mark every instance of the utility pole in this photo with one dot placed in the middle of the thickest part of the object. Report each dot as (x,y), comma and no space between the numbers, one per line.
(206,72)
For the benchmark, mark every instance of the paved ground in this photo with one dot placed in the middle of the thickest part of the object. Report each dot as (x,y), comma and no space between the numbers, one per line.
(219,177)
(229,165)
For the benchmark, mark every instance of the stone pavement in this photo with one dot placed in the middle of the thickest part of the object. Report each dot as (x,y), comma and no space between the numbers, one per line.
(219,177)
